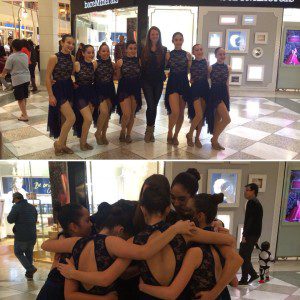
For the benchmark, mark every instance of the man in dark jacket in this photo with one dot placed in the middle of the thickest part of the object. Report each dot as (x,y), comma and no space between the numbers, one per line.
(251,233)
(24,216)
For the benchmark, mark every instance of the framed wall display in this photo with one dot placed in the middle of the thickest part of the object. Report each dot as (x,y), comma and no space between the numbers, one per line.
(255,73)
(228,20)
(215,39)
(212,58)
(237,63)
(249,20)
(291,56)
(235,79)
(227,218)
(292,211)
(228,182)
(237,40)
(260,180)
(261,38)
(258,52)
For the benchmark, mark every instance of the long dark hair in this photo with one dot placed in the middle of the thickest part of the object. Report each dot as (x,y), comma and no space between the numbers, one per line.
(147,49)
(208,204)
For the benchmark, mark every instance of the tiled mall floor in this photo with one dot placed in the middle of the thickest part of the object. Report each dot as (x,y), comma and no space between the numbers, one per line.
(284,284)
(261,128)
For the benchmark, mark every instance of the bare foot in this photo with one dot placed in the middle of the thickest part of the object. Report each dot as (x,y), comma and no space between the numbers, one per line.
(189,139)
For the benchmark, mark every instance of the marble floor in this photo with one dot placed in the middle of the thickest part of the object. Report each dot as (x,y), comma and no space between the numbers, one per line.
(284,284)
(263,127)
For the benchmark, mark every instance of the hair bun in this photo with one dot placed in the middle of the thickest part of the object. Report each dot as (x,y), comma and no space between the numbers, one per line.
(194,172)
(104,44)
(104,209)
(217,198)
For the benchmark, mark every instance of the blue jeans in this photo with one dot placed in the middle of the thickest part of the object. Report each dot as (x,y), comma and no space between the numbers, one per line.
(24,253)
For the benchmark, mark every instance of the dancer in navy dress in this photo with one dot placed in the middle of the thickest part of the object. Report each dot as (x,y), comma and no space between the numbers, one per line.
(59,70)
(106,93)
(85,95)
(199,93)
(201,274)
(218,107)
(153,61)
(129,90)
(74,220)
(177,87)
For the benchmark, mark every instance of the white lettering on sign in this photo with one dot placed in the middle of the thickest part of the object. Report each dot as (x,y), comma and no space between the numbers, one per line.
(99,3)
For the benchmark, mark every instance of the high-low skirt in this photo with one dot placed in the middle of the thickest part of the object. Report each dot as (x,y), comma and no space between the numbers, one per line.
(63,91)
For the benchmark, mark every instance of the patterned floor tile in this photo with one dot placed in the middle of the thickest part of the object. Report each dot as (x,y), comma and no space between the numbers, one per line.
(248,133)
(269,152)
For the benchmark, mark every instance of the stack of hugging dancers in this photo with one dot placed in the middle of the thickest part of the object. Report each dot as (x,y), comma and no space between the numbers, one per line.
(168,245)
(93,98)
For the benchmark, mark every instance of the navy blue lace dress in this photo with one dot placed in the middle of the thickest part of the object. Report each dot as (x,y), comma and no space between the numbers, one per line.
(104,86)
(200,86)
(103,259)
(130,82)
(178,81)
(179,247)
(219,92)
(84,93)
(62,89)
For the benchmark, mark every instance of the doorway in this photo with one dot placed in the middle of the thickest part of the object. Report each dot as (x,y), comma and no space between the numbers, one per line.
(171,19)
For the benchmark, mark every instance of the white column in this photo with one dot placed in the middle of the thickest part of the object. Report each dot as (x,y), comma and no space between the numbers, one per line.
(48,30)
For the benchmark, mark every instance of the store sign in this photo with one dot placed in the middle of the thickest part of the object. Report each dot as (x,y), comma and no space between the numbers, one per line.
(99,3)
(37,185)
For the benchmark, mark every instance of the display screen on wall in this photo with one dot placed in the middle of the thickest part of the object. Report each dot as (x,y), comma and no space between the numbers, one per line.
(292,48)
(37,185)
(293,204)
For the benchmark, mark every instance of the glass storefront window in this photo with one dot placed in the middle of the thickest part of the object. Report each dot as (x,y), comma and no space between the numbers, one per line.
(31,179)
(115,180)
(291,15)
(106,26)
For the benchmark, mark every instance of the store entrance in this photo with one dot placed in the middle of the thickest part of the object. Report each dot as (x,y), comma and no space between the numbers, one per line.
(170,19)
(106,26)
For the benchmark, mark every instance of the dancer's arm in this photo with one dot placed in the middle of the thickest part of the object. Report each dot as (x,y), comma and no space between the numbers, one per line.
(50,67)
(60,246)
(209,237)
(77,67)
(189,57)
(104,278)
(73,60)
(192,261)
(232,264)
(71,293)
(119,65)
(126,249)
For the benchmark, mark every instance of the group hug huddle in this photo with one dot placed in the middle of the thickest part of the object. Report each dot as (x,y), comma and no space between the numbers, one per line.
(93,97)
(168,245)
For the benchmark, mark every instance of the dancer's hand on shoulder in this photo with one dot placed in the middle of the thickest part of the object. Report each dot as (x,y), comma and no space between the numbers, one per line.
(52,100)
(208,295)
(184,227)
(168,55)
(66,269)
(189,56)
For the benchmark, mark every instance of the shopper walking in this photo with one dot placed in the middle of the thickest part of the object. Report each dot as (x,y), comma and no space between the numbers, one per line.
(32,65)
(3,59)
(153,60)
(17,66)
(24,216)
(251,233)
(120,49)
